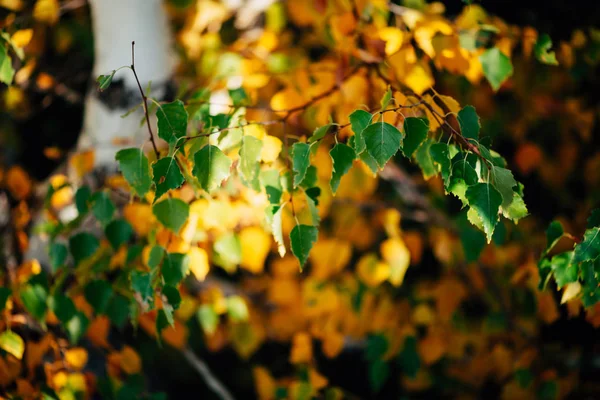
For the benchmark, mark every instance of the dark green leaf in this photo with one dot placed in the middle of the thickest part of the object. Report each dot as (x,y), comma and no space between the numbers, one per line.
(175,268)
(359,120)
(58,255)
(118,310)
(497,67)
(82,197)
(118,232)
(563,269)
(342,156)
(63,307)
(504,182)
(300,161)
(156,256)
(415,131)
(589,248)
(83,245)
(382,141)
(166,176)
(377,346)
(173,296)
(302,238)
(440,154)
(98,294)
(469,122)
(542,50)
(34,299)
(319,133)
(594,219)
(409,359)
(379,372)
(102,207)
(486,201)
(141,282)
(553,234)
(172,213)
(172,121)
(4,295)
(211,167)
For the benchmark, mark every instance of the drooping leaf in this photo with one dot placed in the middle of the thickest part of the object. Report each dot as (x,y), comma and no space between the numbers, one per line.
(208,318)
(211,167)
(175,268)
(589,248)
(118,232)
(82,197)
(342,156)
(469,122)
(276,229)
(141,283)
(504,182)
(12,344)
(423,157)
(58,255)
(166,176)
(463,176)
(173,296)
(319,133)
(172,213)
(228,251)
(300,161)
(77,326)
(415,131)
(63,307)
(249,164)
(409,359)
(564,270)
(82,246)
(34,299)
(382,141)
(302,238)
(379,372)
(486,201)
(554,232)
(359,120)
(172,121)
(104,81)
(118,310)
(387,98)
(440,154)
(497,67)
(7,72)
(516,209)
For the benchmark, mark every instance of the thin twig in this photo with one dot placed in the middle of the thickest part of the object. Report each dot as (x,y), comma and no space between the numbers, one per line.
(144,101)
(211,380)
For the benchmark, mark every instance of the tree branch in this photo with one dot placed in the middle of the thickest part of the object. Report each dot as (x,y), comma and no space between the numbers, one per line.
(211,380)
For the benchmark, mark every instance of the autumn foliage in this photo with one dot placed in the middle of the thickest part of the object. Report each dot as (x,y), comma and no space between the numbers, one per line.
(346,199)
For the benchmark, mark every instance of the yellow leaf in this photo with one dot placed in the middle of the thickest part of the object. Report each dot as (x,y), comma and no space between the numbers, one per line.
(130,361)
(256,244)
(317,381)
(396,254)
(83,162)
(372,271)
(271,149)
(419,78)
(140,217)
(12,343)
(76,382)
(18,182)
(393,38)
(328,257)
(426,31)
(570,292)
(301,352)
(198,262)
(332,344)
(431,348)
(264,382)
(46,11)
(76,358)
(21,38)
(13,5)
(256,130)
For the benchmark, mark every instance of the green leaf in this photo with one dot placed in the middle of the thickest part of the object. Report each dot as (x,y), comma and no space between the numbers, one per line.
(302,238)
(497,67)
(409,359)
(82,197)
(172,213)
(118,310)
(469,122)
(157,254)
(554,232)
(228,251)
(172,121)
(563,269)
(141,283)
(98,294)
(387,98)
(379,372)
(173,296)
(415,131)
(118,232)
(369,161)
(463,176)
(7,72)
(342,156)
(359,120)
(300,161)
(589,248)
(211,167)
(164,318)
(166,176)
(504,182)
(83,245)
(541,50)
(104,81)
(382,141)
(319,133)
(516,209)
(63,307)
(77,326)
(377,346)
(249,163)
(12,343)
(594,219)
(4,295)
(208,318)
(423,157)
(175,268)
(58,255)
(102,207)
(34,299)
(440,154)
(486,201)
(237,309)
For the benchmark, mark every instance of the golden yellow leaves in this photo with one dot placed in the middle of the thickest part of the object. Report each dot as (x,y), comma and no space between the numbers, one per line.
(255,243)
(301,349)
(76,358)
(18,183)
(46,11)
